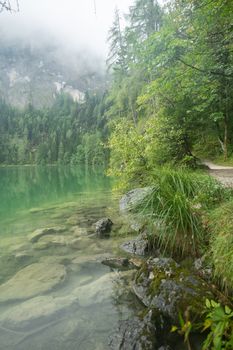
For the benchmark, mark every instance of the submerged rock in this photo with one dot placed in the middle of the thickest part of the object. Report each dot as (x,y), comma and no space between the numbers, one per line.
(36,312)
(163,285)
(31,281)
(122,263)
(95,292)
(103,227)
(24,255)
(73,220)
(54,240)
(134,198)
(117,263)
(79,231)
(36,235)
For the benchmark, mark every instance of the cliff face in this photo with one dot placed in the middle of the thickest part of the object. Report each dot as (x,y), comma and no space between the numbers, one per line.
(30,74)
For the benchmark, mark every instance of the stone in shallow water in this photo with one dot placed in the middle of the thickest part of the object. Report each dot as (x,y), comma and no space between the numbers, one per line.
(52,241)
(79,231)
(103,227)
(36,312)
(96,292)
(73,220)
(37,234)
(116,263)
(31,281)
(21,256)
(80,243)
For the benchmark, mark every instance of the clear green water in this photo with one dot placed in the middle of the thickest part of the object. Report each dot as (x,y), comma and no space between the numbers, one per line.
(37,197)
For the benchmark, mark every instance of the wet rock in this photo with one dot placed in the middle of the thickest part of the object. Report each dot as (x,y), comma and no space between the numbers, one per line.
(36,235)
(136,262)
(20,247)
(90,258)
(117,263)
(133,198)
(69,241)
(31,281)
(164,285)
(55,259)
(137,246)
(103,227)
(138,333)
(203,268)
(79,231)
(96,292)
(73,220)
(79,243)
(24,255)
(36,312)
(136,226)
(54,240)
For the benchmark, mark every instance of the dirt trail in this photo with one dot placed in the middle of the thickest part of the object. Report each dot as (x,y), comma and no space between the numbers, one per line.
(222,173)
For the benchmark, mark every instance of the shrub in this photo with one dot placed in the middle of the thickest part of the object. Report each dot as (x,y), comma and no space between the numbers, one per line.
(219,323)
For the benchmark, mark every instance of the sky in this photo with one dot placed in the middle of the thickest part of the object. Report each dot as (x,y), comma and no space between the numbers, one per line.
(73,23)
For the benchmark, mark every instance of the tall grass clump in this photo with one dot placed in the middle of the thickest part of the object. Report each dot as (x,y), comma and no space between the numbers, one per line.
(175,208)
(221,244)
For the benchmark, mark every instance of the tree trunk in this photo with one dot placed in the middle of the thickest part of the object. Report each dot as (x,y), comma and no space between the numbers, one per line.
(225,142)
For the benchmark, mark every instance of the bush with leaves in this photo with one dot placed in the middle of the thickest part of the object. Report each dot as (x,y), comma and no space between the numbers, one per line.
(219,323)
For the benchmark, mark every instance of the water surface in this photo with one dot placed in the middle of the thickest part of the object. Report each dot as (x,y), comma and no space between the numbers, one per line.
(74,199)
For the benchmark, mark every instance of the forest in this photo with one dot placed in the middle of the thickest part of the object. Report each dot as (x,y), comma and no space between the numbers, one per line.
(169,98)
(66,133)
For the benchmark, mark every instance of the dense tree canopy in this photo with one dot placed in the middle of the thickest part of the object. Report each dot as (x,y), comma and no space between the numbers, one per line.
(178,86)
(67,132)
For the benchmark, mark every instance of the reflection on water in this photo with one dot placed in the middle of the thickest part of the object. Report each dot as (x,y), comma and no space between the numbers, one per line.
(82,309)
(28,187)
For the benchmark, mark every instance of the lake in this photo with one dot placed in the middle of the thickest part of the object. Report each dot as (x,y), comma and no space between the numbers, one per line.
(54,291)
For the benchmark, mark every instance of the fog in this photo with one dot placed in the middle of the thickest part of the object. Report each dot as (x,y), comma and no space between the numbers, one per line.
(76,25)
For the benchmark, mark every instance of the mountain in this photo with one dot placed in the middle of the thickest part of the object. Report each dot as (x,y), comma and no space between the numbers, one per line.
(36,73)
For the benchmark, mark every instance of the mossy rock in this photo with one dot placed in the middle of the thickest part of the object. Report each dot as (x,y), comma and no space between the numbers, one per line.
(164,285)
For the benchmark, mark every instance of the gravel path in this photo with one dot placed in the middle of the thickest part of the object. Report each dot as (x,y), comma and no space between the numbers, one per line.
(222,173)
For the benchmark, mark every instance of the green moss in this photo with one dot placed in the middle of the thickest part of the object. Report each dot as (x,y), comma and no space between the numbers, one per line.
(190,291)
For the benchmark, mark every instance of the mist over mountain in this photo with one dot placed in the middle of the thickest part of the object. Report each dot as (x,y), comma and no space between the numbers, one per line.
(36,72)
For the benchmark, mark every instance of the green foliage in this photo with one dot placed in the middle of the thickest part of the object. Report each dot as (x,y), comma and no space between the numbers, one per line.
(186,327)
(66,132)
(219,323)
(177,75)
(127,148)
(220,223)
(176,206)
(91,151)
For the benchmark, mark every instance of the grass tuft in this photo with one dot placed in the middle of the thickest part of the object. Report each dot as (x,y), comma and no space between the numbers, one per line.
(221,244)
(175,207)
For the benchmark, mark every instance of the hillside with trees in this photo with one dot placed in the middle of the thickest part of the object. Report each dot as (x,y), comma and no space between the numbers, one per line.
(171,97)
